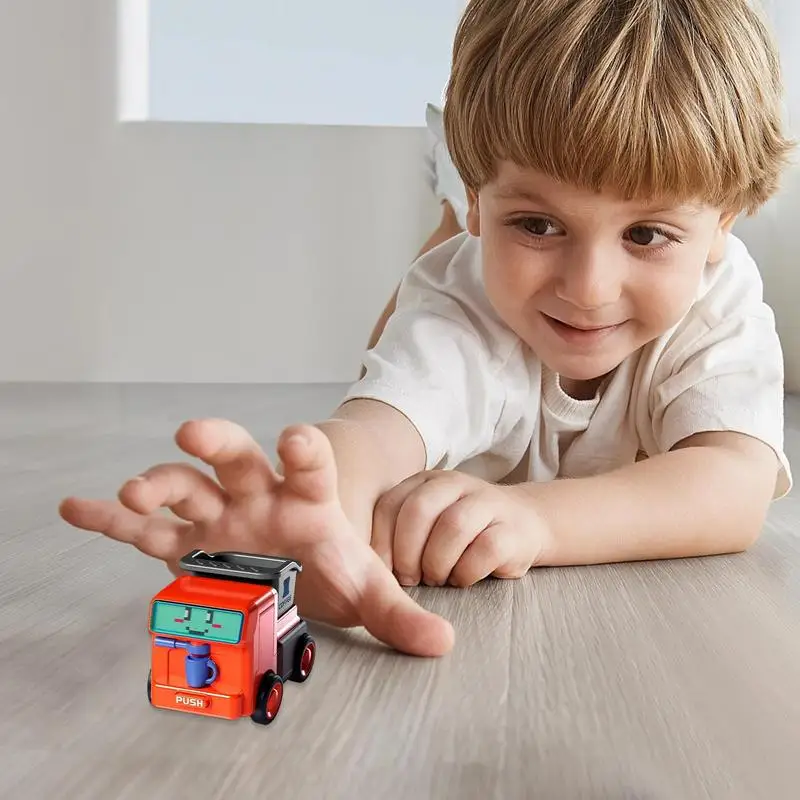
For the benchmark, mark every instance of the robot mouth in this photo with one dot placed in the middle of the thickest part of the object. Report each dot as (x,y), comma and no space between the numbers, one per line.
(197,633)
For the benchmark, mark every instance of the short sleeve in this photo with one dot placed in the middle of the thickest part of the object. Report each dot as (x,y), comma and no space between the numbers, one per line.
(449,366)
(730,378)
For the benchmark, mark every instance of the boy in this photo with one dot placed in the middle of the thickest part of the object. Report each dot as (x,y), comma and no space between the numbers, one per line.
(597,332)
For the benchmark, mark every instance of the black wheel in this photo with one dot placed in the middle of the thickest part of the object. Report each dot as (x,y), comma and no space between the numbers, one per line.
(268,699)
(150,687)
(305,654)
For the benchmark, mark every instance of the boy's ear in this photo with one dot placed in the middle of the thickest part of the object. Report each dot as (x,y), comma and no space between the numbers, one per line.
(473,213)
(726,223)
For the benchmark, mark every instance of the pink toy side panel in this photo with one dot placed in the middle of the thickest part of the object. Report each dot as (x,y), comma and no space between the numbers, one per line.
(266,652)
(287,621)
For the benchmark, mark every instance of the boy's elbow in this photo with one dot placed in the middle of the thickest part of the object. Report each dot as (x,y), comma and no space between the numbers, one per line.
(746,474)
(744,539)
(751,492)
(744,514)
(752,488)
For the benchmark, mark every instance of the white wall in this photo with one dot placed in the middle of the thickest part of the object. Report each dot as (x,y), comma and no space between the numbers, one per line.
(176,252)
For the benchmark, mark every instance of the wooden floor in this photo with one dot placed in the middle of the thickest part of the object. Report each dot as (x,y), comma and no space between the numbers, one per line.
(650,681)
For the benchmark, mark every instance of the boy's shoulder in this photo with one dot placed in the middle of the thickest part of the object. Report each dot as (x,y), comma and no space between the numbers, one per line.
(453,267)
(731,286)
(448,281)
(728,313)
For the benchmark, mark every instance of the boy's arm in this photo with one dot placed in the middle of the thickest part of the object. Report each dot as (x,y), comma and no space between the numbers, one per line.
(707,496)
(376,447)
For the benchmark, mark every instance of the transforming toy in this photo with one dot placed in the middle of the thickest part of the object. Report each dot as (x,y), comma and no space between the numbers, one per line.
(227,635)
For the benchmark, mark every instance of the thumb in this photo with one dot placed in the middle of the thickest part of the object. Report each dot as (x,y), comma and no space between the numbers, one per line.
(309,466)
(393,617)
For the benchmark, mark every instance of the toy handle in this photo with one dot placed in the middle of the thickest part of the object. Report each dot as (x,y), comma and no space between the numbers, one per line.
(165,641)
(214,670)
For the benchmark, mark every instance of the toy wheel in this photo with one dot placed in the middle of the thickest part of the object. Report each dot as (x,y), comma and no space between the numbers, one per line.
(269,699)
(304,656)
(150,687)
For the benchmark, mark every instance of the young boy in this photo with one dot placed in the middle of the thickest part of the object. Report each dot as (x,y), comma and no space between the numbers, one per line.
(587,374)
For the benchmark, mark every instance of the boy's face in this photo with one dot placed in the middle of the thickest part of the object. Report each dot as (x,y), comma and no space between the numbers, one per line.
(586,279)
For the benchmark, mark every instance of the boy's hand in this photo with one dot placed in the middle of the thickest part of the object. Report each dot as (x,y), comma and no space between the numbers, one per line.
(447,526)
(254,509)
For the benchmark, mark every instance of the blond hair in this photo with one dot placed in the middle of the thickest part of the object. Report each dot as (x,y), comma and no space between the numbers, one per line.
(653,98)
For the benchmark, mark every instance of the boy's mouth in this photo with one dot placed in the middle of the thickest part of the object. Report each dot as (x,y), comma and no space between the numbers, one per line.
(580,334)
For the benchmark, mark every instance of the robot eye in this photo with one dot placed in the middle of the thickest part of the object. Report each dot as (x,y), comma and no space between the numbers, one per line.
(209,617)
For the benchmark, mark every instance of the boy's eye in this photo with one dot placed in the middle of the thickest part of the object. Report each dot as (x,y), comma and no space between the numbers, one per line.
(645,236)
(538,226)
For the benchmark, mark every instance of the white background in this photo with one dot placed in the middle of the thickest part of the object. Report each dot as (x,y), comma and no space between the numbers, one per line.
(182,252)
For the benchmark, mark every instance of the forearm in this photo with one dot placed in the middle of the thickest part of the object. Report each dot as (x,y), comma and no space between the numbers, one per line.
(693,501)
(375,449)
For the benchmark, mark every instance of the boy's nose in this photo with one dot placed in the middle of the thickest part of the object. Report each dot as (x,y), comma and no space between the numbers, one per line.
(589,281)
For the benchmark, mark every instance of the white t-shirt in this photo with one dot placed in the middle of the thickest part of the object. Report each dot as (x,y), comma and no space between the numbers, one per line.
(482,401)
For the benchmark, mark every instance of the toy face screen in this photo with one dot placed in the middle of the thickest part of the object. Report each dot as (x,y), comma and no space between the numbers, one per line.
(197,622)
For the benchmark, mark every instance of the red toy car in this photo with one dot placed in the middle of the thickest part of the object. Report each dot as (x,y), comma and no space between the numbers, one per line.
(227,635)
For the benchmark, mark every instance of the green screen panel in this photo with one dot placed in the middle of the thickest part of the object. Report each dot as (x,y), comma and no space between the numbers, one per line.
(197,622)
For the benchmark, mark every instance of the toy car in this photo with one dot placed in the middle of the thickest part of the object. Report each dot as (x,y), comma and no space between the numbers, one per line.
(227,635)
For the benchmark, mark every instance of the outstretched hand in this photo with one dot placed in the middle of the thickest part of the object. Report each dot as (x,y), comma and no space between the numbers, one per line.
(253,508)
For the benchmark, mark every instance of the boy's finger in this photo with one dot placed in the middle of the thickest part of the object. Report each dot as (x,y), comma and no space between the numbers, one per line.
(186,491)
(393,617)
(154,535)
(309,465)
(416,520)
(384,517)
(241,465)
(490,552)
(452,534)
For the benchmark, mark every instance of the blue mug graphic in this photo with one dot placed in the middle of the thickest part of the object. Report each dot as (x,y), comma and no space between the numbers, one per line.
(200,669)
